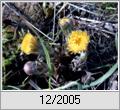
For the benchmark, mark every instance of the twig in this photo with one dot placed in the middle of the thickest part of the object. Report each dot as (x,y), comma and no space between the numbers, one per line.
(89,20)
(83,9)
(54,20)
(34,85)
(64,5)
(57,3)
(38,30)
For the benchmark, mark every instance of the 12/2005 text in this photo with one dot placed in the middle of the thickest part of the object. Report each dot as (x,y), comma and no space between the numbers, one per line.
(60,99)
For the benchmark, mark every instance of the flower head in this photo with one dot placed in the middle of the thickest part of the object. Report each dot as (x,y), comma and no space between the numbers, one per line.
(77,41)
(29,44)
(64,21)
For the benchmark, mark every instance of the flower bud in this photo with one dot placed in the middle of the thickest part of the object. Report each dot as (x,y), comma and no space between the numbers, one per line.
(66,25)
(63,22)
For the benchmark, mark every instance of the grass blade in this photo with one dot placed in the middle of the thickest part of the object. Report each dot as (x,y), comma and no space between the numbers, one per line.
(47,57)
(103,78)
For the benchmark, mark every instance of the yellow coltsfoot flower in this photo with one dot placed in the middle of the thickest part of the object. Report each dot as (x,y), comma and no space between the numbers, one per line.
(77,41)
(64,21)
(29,44)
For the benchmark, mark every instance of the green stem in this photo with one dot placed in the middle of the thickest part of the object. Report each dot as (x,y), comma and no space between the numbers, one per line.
(49,82)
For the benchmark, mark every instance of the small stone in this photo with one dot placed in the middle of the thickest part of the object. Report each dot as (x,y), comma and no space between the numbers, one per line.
(30,68)
(109,27)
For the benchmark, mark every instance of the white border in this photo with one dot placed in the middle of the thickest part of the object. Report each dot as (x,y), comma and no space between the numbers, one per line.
(118,45)
(60,90)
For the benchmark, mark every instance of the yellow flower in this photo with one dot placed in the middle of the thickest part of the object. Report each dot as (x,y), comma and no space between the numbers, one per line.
(64,21)
(29,44)
(77,41)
